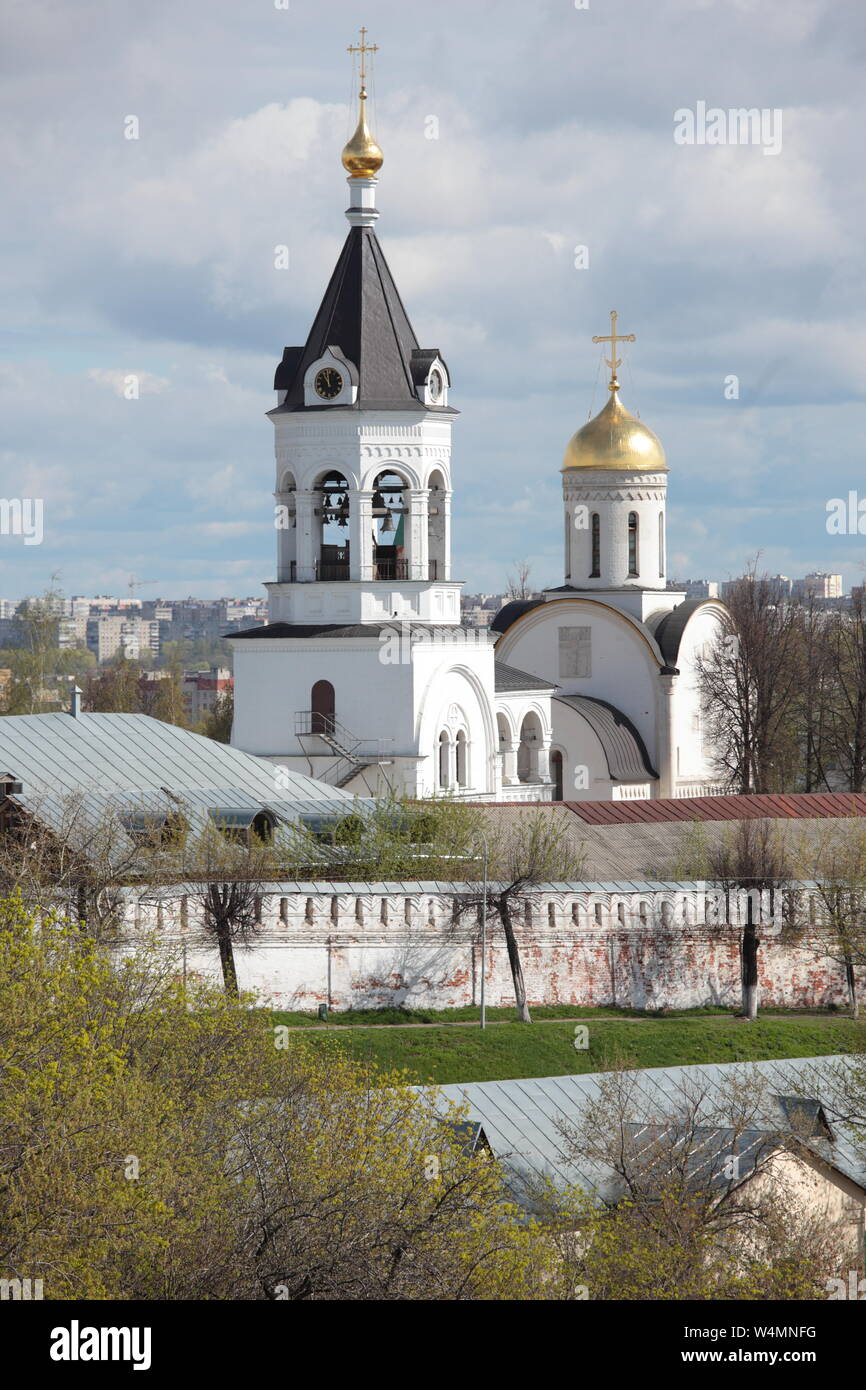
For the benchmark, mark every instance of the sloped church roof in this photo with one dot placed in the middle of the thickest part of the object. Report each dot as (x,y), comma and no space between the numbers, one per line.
(363,316)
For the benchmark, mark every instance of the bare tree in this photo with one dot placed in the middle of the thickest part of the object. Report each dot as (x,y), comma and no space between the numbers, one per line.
(73,854)
(517,581)
(816,695)
(537,849)
(751,856)
(846,643)
(695,1203)
(749,682)
(835,864)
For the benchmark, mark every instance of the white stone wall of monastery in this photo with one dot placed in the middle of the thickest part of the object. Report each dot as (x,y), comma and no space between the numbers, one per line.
(367,948)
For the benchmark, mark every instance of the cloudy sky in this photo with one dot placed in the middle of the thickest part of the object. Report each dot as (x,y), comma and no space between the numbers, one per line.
(155,257)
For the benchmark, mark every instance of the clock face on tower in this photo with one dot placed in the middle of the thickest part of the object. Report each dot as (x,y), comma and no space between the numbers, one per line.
(328,383)
(434,385)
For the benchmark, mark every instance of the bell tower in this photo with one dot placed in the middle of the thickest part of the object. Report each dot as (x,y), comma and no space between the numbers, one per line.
(363,439)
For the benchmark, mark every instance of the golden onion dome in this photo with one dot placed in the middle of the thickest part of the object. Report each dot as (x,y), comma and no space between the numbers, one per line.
(362,157)
(614,438)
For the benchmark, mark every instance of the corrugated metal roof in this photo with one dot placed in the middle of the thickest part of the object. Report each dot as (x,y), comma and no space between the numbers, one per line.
(521,1119)
(507,678)
(624,749)
(140,763)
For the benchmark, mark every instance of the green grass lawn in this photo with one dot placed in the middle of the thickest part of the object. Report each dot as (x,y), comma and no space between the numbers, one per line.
(515,1050)
(469,1013)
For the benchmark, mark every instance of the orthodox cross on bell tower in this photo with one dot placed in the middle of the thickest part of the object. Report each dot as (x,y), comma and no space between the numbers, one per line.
(613,338)
(363,48)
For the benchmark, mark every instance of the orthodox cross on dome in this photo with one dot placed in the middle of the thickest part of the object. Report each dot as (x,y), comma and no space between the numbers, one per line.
(362,157)
(363,47)
(613,338)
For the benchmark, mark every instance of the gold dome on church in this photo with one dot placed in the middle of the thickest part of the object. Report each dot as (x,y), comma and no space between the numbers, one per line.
(614,438)
(362,157)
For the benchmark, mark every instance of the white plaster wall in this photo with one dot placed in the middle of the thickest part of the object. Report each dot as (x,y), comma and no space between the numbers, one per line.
(695,750)
(453,689)
(625,659)
(388,690)
(274,679)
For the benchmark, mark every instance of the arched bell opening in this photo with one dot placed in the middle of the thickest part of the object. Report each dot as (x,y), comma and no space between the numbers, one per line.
(287,528)
(390,510)
(332,527)
(437,537)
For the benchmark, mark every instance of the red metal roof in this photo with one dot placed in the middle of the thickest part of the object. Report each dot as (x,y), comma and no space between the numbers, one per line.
(788,806)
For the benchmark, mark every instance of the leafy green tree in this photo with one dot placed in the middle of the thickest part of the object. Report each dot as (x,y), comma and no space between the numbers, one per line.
(115,688)
(163,698)
(217,723)
(158,1142)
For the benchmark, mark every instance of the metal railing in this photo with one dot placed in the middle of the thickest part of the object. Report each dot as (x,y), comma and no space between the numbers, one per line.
(387,570)
(352,754)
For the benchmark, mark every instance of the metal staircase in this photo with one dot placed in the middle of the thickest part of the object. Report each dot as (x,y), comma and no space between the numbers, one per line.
(352,755)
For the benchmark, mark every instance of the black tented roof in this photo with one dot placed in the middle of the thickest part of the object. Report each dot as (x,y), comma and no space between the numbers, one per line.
(362,314)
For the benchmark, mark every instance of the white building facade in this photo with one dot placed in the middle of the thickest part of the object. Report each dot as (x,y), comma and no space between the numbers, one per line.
(363,675)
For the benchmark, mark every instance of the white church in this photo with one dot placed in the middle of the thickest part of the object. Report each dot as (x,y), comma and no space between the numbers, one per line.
(363,675)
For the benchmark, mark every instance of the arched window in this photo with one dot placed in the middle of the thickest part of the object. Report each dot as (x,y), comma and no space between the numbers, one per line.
(444,761)
(461,759)
(556,774)
(595,572)
(322,707)
(462,762)
(661,545)
(632,544)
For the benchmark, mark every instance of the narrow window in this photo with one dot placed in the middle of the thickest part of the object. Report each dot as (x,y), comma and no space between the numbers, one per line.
(595,572)
(661,545)
(461,758)
(632,544)
(556,775)
(444,760)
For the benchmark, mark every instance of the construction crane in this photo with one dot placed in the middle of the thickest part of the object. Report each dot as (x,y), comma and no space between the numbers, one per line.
(137,583)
